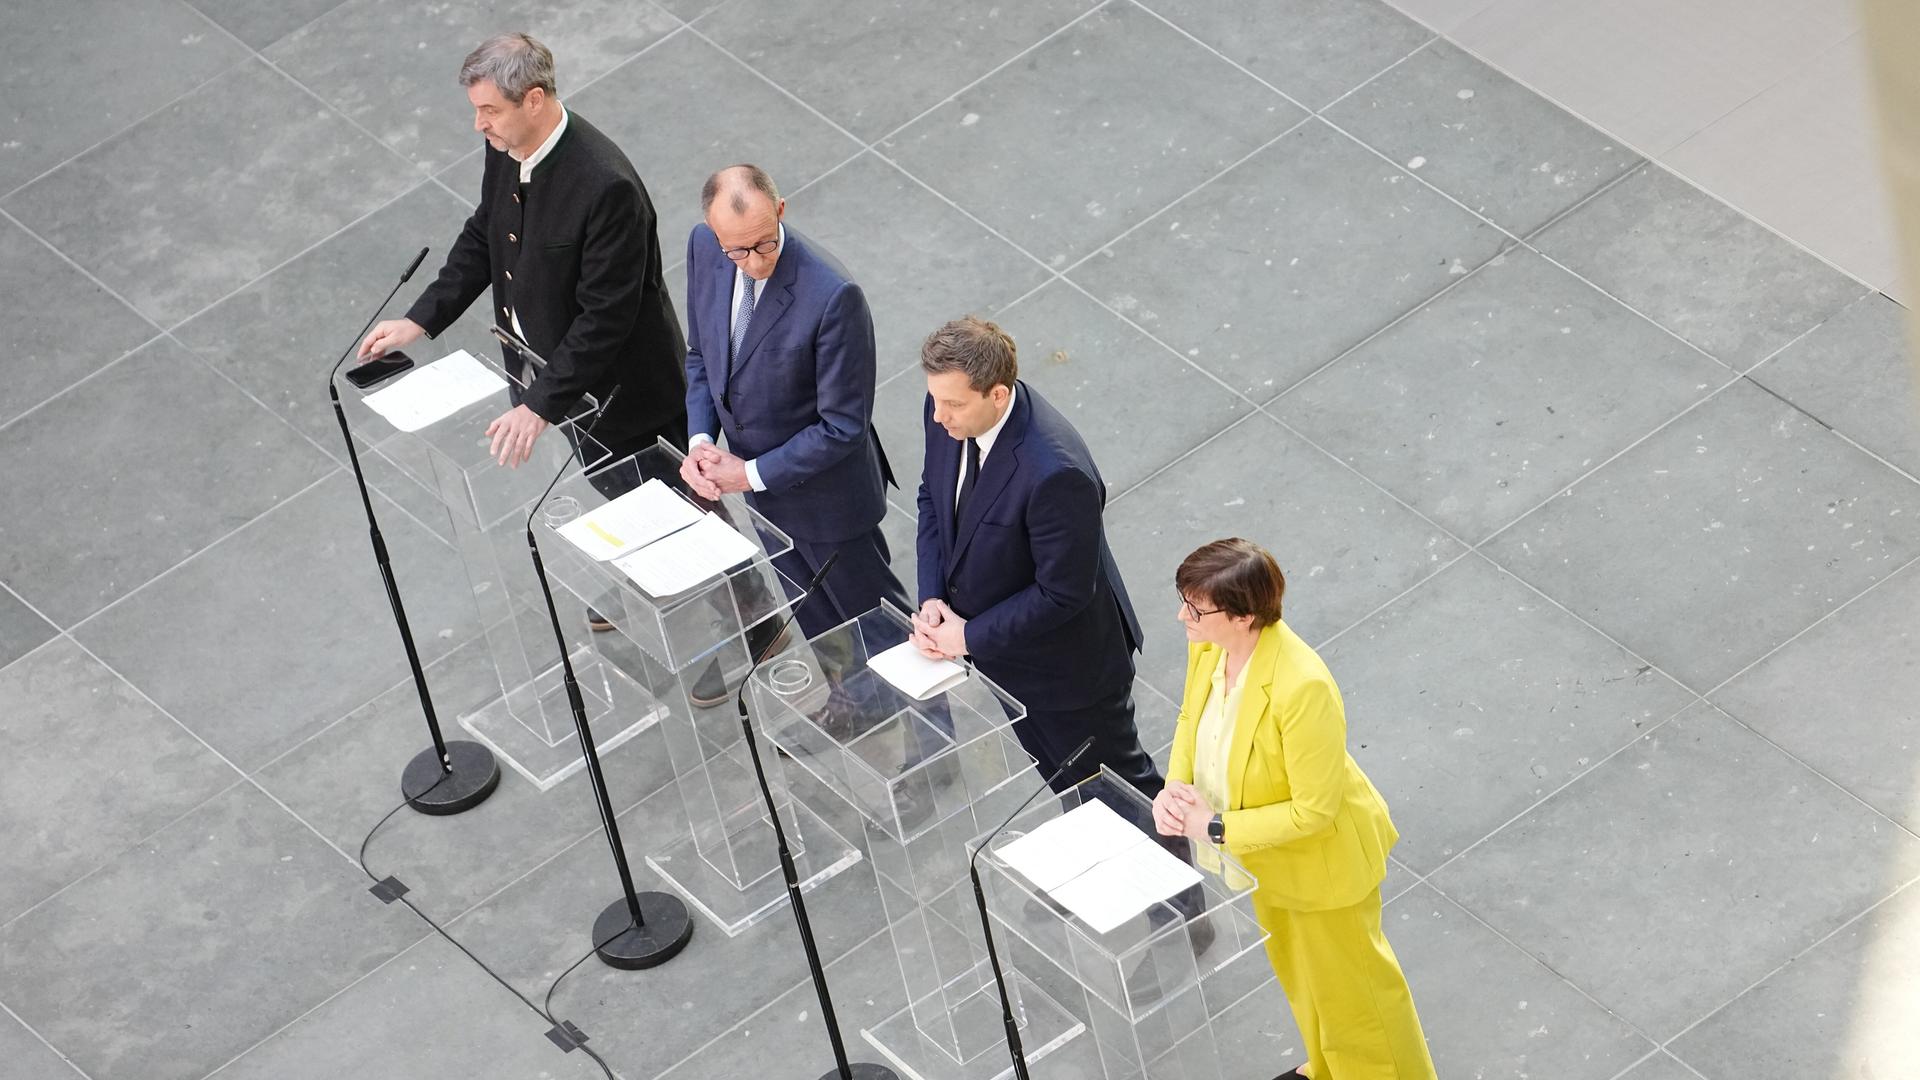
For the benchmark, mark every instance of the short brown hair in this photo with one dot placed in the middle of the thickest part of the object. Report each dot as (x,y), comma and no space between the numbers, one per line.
(1236,576)
(974,346)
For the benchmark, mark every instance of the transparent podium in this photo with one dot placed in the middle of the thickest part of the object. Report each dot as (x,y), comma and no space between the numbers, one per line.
(1152,985)
(687,651)
(530,724)
(926,777)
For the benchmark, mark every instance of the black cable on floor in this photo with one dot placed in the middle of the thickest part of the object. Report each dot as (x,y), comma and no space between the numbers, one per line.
(544,1012)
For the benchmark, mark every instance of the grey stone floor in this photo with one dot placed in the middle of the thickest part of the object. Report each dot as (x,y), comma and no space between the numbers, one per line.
(1599,499)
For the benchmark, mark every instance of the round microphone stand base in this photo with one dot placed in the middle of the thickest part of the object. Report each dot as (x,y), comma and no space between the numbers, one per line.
(475,775)
(668,926)
(863,1070)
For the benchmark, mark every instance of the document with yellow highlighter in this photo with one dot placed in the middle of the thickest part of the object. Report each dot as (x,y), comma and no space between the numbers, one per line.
(641,516)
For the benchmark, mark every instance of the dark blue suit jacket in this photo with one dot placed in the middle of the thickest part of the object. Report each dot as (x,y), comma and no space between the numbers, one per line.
(1048,617)
(802,391)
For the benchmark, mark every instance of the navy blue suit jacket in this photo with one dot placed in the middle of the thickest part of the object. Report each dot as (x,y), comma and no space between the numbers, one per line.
(802,390)
(1029,568)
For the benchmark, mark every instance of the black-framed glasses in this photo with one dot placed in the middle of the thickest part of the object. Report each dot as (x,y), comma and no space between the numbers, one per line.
(764,247)
(1193,612)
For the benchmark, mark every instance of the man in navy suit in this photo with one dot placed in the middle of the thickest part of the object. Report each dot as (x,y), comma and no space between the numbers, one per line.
(780,356)
(1014,566)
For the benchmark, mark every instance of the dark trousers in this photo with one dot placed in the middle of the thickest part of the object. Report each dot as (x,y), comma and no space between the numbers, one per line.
(860,579)
(1049,735)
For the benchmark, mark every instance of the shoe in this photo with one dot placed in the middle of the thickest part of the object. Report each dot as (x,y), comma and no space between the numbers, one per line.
(711,688)
(597,622)
(1292,1074)
(1143,983)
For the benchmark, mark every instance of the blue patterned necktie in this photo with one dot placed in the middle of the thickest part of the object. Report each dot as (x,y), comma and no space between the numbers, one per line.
(740,320)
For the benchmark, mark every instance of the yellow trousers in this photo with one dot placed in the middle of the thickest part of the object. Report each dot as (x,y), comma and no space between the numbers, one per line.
(1348,994)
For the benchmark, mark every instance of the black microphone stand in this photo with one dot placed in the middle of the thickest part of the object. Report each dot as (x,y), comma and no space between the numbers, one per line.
(447,777)
(641,929)
(1014,1047)
(842,1070)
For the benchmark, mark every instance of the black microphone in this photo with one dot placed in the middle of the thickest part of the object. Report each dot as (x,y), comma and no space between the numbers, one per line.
(411,267)
(986,928)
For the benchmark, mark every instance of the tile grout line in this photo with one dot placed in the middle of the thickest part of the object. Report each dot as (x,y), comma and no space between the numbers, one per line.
(31,1030)
(1636,1062)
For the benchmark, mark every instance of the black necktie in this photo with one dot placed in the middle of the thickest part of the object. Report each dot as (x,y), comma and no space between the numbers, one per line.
(967,479)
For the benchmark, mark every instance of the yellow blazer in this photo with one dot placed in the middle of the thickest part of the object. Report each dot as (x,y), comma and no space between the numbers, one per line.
(1304,820)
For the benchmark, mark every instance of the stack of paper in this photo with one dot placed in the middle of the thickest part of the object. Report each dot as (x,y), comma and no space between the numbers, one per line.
(702,550)
(1097,866)
(638,518)
(917,676)
(436,391)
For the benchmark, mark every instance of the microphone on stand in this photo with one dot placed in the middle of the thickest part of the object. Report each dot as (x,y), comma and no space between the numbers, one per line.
(986,928)
(641,929)
(842,1070)
(447,777)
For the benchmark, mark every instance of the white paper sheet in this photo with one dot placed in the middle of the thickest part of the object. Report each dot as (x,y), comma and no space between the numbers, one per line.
(436,391)
(1126,885)
(696,553)
(630,522)
(1098,866)
(1070,845)
(914,675)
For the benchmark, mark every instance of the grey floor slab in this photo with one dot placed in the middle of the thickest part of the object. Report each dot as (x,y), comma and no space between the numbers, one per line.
(1660,1066)
(1843,1009)
(27,1057)
(1261,482)
(133,971)
(875,72)
(77,329)
(1654,883)
(88,519)
(260,24)
(88,767)
(1864,739)
(431,1011)
(1170,115)
(1519,1020)
(687,109)
(1853,373)
(919,260)
(269,601)
(157,50)
(1697,267)
(21,631)
(1489,399)
(1719,537)
(1461,729)
(1313,52)
(395,69)
(193,202)
(1495,145)
(1277,266)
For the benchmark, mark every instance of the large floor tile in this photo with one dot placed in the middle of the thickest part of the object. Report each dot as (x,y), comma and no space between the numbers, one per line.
(1482,138)
(1719,537)
(1698,267)
(1499,393)
(686,110)
(1441,15)
(155,50)
(1170,115)
(196,201)
(1843,1009)
(87,766)
(260,23)
(97,502)
(27,1057)
(21,631)
(1313,51)
(1295,255)
(1682,870)
(1461,731)
(874,68)
(65,328)
(1660,1066)
(431,1012)
(1864,739)
(1261,482)
(395,69)
(920,261)
(293,610)
(1653,72)
(1527,1022)
(146,970)
(1855,374)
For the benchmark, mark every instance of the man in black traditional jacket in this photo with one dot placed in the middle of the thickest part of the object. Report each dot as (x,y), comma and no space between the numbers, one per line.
(565,235)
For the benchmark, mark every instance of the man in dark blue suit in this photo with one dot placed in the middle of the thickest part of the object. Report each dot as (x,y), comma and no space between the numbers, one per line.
(1014,566)
(780,356)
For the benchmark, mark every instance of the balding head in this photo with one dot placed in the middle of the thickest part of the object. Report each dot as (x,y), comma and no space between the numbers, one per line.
(743,209)
(739,186)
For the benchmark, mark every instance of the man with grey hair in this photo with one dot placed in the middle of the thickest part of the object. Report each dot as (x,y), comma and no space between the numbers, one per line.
(565,236)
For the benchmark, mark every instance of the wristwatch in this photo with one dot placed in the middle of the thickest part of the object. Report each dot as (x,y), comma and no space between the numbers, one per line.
(1217,829)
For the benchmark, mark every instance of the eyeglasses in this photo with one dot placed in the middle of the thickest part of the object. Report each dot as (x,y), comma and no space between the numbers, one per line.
(1195,613)
(764,247)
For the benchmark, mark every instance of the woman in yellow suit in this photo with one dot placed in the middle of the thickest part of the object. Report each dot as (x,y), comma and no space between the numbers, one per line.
(1260,767)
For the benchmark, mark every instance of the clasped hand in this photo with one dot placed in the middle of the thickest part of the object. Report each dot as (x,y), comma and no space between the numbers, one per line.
(1180,810)
(712,472)
(938,633)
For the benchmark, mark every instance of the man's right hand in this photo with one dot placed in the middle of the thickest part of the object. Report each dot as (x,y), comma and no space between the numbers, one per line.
(690,469)
(387,336)
(931,614)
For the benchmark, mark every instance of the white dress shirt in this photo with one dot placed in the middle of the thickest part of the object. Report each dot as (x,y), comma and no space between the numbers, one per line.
(526,173)
(985,442)
(733,316)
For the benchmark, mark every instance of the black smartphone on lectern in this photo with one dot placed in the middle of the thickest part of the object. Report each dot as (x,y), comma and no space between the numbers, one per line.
(379,369)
